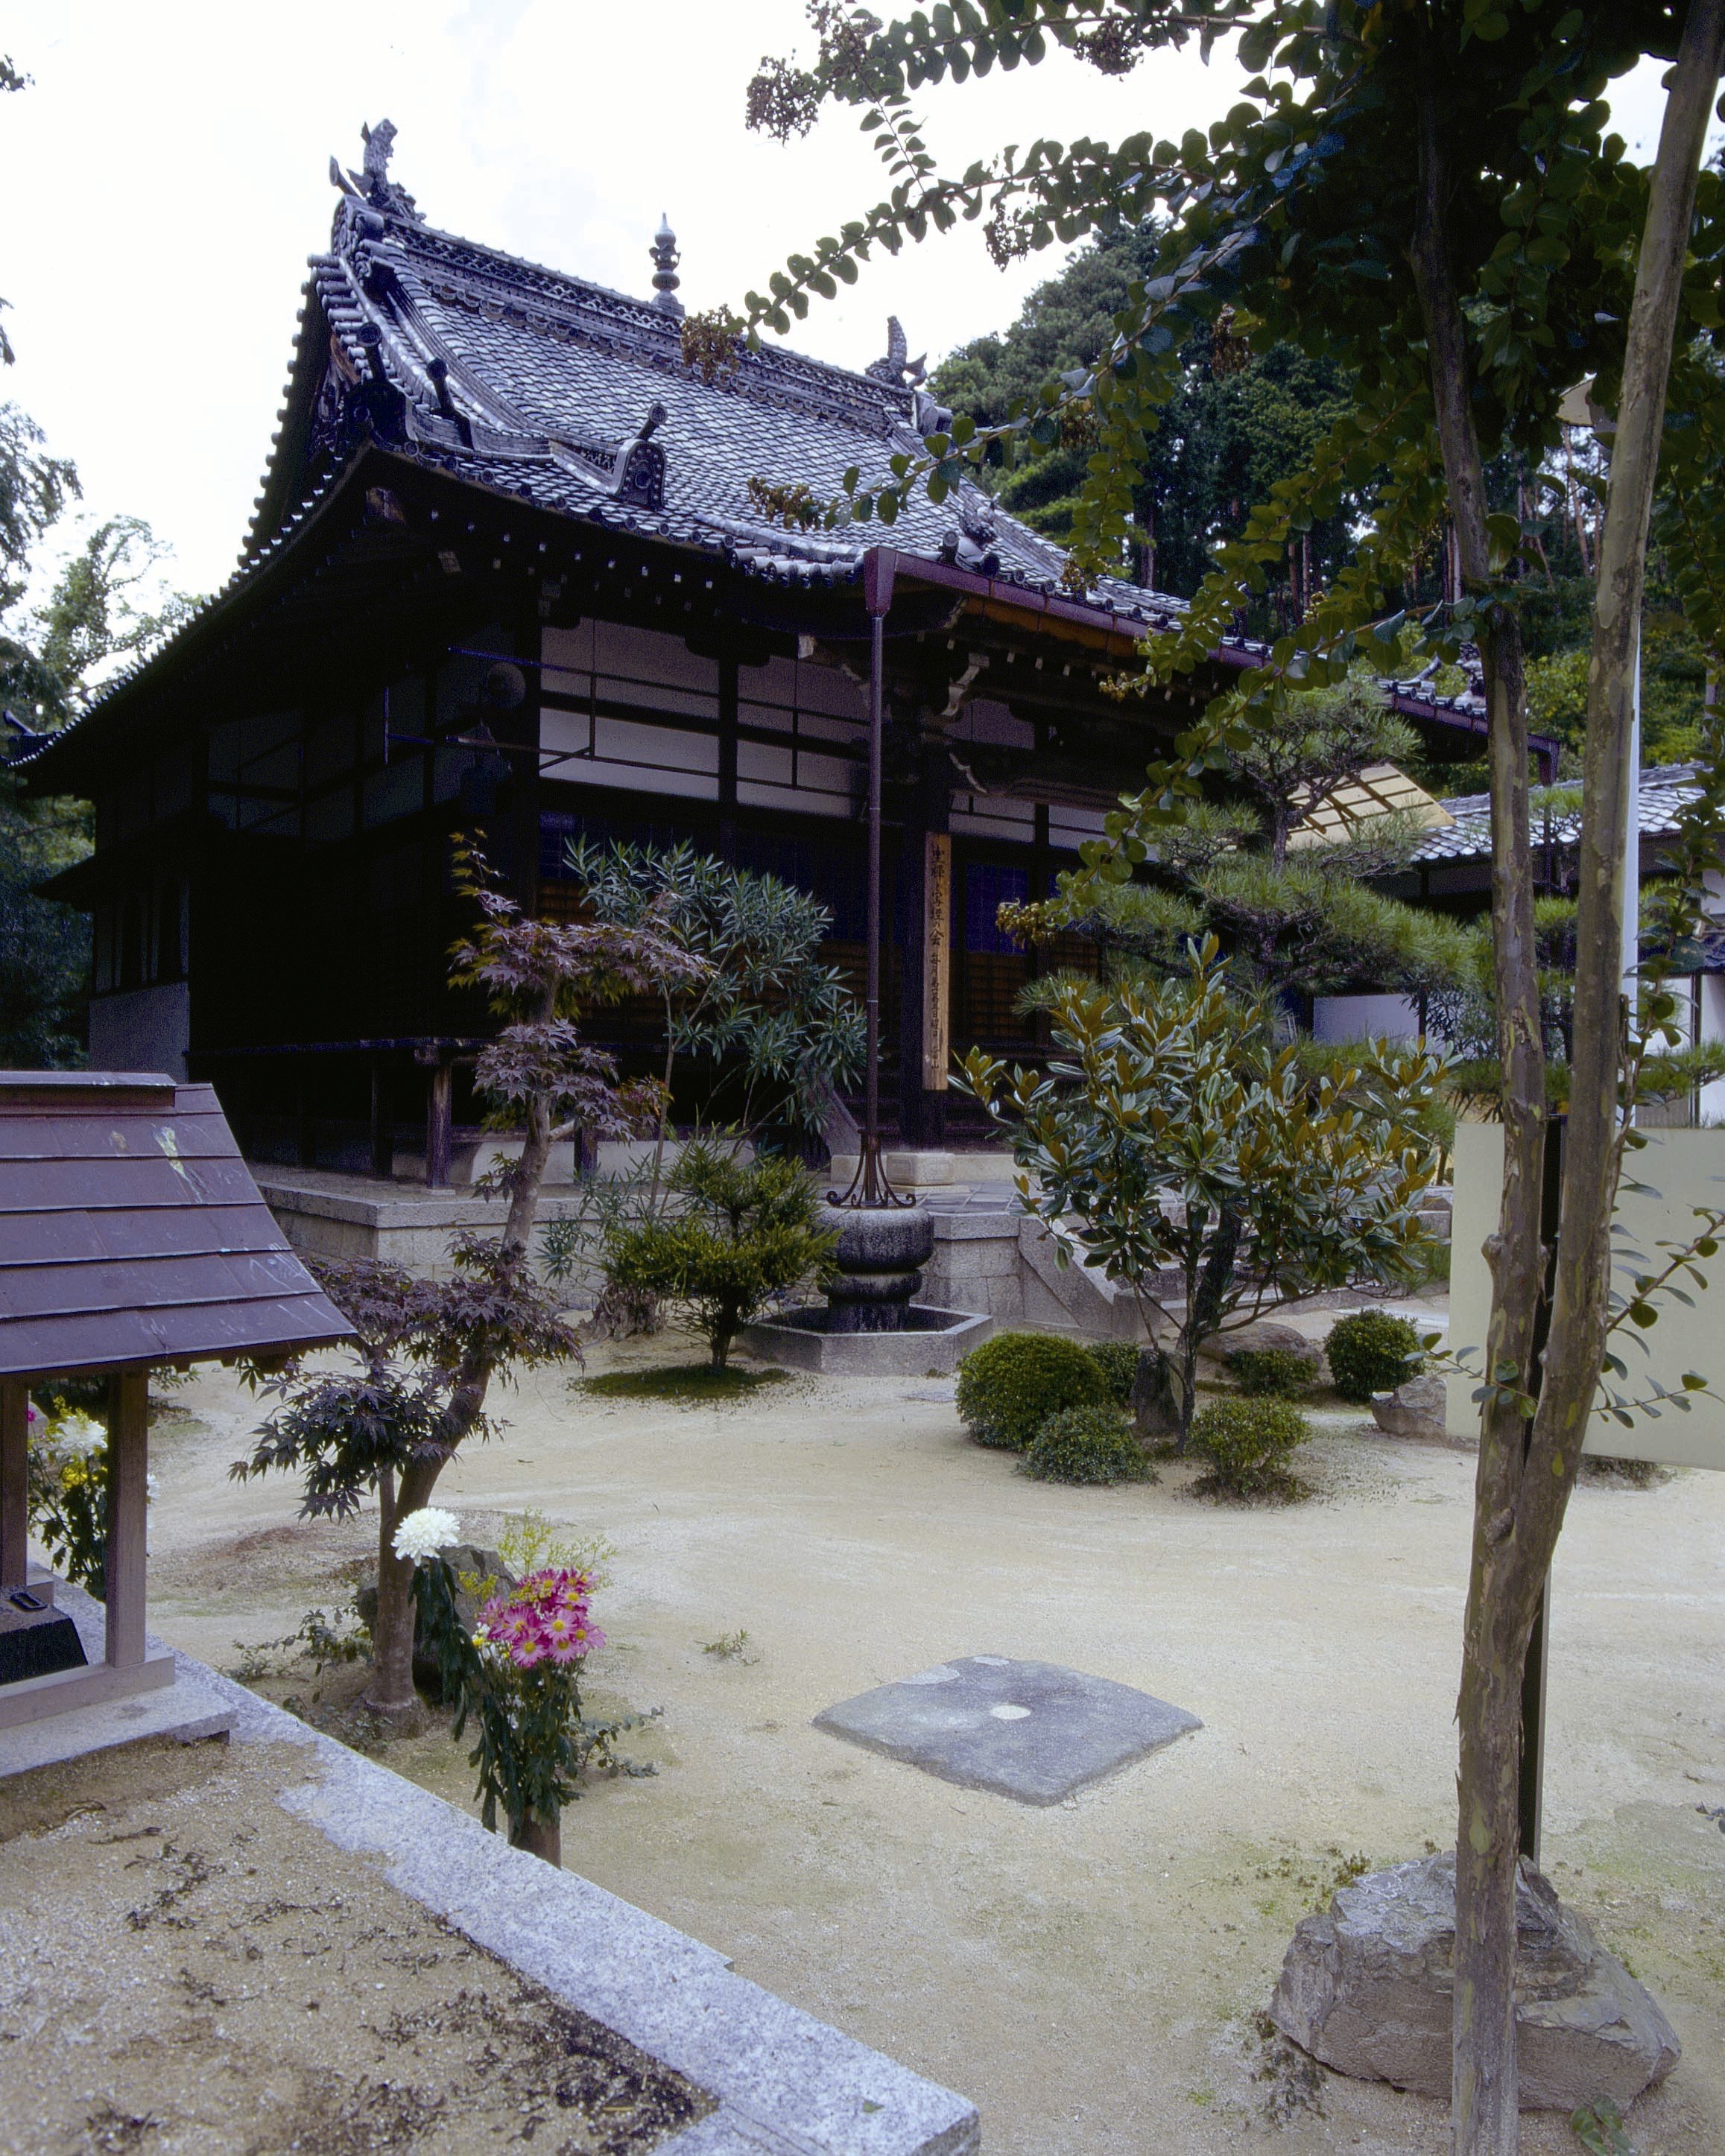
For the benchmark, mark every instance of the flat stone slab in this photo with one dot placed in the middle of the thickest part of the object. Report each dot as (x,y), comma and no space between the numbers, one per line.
(1031,1730)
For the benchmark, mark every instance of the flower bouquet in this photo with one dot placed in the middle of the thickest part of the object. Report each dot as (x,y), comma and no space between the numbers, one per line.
(516,1675)
(67,1457)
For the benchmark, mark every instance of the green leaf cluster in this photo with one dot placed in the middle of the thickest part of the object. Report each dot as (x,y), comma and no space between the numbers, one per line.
(772,1023)
(1087,1445)
(1372,1351)
(1247,1445)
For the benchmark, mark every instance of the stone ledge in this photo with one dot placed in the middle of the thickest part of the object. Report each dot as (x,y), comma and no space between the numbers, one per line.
(787,2085)
(979,1227)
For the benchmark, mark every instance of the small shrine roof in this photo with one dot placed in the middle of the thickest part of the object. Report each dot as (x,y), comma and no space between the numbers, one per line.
(131,1232)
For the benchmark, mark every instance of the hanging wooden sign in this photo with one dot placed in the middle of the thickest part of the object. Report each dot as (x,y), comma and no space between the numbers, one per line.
(936,958)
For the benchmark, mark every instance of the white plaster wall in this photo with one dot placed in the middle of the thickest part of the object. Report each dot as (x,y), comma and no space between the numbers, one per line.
(1679,1169)
(1364,1017)
(1711,1100)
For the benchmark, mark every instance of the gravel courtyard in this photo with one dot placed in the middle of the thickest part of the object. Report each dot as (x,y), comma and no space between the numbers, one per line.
(1090,1975)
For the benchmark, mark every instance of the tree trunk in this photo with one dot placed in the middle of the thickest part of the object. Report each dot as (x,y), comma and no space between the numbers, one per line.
(1526,1473)
(1483,2088)
(539,1836)
(391,1690)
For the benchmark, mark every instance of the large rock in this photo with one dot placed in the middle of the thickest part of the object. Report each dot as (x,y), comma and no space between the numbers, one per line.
(1366,1988)
(1262,1337)
(1155,1415)
(462,1556)
(1415,1408)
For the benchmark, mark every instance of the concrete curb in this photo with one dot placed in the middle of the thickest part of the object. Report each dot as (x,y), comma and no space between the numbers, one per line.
(787,2084)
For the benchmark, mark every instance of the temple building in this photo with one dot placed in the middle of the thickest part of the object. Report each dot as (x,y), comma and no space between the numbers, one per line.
(528,562)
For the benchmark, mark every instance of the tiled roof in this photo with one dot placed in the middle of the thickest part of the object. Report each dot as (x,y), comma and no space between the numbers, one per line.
(578,398)
(1665,788)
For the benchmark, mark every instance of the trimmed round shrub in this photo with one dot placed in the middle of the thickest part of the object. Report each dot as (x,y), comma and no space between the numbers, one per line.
(1249,1444)
(1118,1362)
(1371,1351)
(1273,1373)
(1009,1386)
(1086,1444)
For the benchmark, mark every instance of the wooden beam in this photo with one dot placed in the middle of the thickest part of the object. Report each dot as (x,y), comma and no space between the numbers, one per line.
(936,958)
(128,1504)
(35,1699)
(14,1483)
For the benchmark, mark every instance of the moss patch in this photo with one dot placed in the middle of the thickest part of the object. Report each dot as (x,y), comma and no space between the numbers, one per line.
(678,1381)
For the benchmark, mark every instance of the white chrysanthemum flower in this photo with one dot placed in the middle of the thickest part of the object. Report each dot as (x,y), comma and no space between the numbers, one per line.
(80,1434)
(423,1533)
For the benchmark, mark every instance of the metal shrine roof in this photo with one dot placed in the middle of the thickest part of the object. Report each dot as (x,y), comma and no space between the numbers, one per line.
(131,1232)
(1664,789)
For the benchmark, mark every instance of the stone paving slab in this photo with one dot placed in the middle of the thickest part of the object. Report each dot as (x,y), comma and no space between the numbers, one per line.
(1031,1730)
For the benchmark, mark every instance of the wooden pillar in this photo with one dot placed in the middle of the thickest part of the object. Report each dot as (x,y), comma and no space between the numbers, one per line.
(128,1503)
(382,1150)
(727,758)
(925,1039)
(439,1123)
(524,789)
(14,1483)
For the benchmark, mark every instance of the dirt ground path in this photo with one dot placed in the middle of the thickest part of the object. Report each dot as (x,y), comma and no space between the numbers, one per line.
(1090,1974)
(220,1981)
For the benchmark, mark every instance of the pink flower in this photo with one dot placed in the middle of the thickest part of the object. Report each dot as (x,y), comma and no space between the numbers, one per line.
(544,1615)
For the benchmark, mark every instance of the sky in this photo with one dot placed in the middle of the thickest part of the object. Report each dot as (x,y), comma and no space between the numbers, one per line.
(167,176)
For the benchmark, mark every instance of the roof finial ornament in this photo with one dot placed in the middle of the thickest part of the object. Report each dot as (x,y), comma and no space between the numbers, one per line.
(372,183)
(898,370)
(665,279)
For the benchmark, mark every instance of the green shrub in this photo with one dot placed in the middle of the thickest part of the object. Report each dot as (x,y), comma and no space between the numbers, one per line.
(744,1232)
(1273,1373)
(1118,1362)
(1087,1445)
(1249,1444)
(1009,1386)
(1371,1351)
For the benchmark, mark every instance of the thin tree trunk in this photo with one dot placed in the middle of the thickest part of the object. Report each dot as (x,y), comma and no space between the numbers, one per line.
(1526,1475)
(539,1836)
(391,1690)
(664,1111)
(1483,2096)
